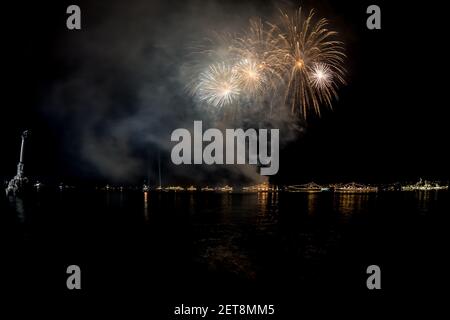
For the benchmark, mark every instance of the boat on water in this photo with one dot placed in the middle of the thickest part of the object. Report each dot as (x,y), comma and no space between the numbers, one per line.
(38,185)
(424,185)
(262,187)
(174,188)
(307,187)
(225,188)
(355,188)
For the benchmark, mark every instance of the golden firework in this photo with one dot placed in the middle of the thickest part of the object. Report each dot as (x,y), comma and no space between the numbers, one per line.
(313,61)
(299,59)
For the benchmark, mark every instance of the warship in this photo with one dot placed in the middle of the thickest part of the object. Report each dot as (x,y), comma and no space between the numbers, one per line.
(424,185)
(354,187)
(311,187)
(262,187)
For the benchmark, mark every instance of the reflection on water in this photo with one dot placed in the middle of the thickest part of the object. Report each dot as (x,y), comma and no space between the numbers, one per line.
(240,235)
(313,205)
(18,204)
(349,203)
(146,216)
(426,199)
(267,209)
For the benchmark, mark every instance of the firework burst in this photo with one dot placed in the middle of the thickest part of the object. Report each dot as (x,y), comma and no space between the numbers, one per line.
(298,59)
(218,85)
(313,60)
(321,76)
(256,53)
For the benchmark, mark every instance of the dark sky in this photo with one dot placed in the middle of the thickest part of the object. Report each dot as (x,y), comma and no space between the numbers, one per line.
(389,124)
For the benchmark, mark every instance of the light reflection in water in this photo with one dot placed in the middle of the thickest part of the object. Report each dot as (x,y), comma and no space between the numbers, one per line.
(191,203)
(146,206)
(18,205)
(226,201)
(350,203)
(263,201)
(267,209)
(425,199)
(313,203)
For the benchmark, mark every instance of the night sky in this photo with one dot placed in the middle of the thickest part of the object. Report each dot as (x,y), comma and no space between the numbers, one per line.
(389,124)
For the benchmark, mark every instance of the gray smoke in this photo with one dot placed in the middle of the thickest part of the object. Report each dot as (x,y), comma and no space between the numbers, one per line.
(125,93)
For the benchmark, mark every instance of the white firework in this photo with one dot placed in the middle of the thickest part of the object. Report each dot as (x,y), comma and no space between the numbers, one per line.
(321,76)
(250,75)
(218,85)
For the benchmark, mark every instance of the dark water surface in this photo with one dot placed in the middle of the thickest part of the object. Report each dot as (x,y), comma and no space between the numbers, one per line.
(275,248)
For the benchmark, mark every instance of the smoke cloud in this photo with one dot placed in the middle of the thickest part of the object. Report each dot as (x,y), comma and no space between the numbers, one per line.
(125,92)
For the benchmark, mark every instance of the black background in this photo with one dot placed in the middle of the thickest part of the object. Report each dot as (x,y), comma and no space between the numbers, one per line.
(390,124)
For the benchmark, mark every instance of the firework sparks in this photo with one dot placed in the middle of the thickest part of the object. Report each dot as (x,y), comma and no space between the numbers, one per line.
(218,85)
(258,59)
(316,61)
(250,76)
(299,59)
(321,76)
